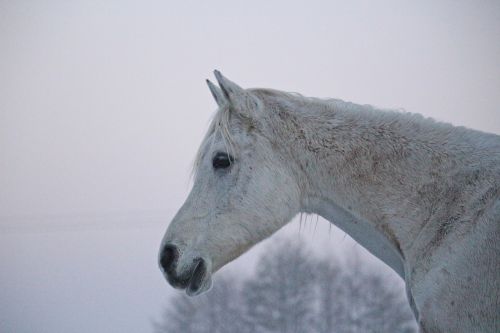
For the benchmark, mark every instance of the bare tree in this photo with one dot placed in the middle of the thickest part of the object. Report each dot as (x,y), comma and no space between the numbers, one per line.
(332,313)
(385,306)
(356,300)
(217,311)
(281,298)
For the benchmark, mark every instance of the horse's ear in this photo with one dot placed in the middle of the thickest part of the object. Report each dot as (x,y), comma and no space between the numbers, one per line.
(217,93)
(230,89)
(240,99)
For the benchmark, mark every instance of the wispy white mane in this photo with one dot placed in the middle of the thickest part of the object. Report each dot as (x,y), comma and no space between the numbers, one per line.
(219,126)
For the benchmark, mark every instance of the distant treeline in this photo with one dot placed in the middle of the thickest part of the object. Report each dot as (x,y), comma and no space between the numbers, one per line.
(294,291)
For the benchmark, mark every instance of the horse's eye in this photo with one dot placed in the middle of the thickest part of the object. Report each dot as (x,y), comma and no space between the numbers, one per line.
(222,160)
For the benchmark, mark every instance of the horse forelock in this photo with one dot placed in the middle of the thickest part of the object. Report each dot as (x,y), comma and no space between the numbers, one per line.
(219,127)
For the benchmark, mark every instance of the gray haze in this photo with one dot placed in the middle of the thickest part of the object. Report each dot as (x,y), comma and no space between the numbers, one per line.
(103,104)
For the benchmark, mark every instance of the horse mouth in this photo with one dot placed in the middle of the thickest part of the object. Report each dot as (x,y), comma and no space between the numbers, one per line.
(195,280)
(198,278)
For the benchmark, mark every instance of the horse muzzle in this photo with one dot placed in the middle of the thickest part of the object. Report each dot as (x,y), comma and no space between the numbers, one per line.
(189,271)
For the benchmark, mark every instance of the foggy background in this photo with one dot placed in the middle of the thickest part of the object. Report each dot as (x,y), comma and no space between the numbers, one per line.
(103,105)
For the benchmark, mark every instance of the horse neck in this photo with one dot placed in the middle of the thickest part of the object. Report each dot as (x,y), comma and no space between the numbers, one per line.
(355,170)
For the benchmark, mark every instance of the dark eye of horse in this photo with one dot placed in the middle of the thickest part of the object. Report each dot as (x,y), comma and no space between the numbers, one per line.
(222,160)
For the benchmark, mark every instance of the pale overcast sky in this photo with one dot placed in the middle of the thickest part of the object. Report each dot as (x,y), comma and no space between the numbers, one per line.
(103,105)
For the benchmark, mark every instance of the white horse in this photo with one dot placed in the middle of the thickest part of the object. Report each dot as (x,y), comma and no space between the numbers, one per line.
(422,196)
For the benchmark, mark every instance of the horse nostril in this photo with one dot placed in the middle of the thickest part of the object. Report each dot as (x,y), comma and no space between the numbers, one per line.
(168,257)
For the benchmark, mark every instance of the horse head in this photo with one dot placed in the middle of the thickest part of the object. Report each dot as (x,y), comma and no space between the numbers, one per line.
(244,190)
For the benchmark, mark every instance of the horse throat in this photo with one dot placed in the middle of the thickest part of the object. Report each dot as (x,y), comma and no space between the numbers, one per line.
(362,231)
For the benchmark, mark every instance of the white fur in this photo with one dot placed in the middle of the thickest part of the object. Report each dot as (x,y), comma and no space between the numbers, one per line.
(422,196)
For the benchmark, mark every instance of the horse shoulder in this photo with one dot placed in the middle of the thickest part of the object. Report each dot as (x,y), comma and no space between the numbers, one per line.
(457,288)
